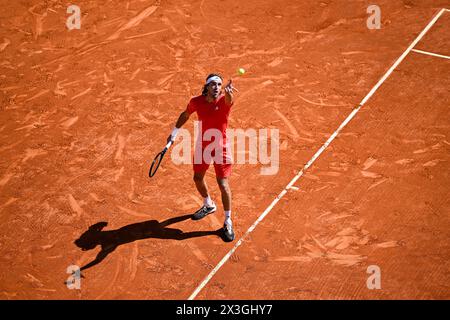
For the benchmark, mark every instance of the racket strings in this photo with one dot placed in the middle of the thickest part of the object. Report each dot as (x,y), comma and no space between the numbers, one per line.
(155,164)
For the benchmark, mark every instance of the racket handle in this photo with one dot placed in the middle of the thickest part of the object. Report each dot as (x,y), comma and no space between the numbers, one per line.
(168,145)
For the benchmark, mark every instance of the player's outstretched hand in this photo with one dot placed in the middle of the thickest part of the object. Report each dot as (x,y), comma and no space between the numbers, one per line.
(229,88)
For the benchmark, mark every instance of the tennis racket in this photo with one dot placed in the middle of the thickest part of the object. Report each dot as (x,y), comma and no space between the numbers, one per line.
(158,159)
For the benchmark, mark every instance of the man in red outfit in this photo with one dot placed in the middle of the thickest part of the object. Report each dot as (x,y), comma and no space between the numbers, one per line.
(213,109)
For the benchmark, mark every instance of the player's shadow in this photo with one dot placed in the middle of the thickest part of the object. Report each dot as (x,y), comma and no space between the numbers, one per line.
(109,240)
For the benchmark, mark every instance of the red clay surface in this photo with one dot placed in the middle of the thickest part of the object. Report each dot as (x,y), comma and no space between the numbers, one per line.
(83,113)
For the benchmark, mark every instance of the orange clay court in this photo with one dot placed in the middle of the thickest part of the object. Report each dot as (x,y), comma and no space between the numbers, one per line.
(363,179)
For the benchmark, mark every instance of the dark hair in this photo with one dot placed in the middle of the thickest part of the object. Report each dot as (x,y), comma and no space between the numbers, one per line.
(205,90)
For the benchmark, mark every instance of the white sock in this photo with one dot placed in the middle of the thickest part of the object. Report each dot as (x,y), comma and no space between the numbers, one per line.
(228,218)
(208,201)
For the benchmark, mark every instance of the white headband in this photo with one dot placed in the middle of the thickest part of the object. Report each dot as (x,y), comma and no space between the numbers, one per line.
(214,78)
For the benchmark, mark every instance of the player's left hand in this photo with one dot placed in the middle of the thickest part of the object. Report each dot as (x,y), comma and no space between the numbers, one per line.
(229,88)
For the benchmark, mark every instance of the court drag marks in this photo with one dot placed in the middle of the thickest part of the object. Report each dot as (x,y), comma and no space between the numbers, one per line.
(83,113)
(376,196)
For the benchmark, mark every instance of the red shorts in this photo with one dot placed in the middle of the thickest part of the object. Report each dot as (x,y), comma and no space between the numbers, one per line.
(222,168)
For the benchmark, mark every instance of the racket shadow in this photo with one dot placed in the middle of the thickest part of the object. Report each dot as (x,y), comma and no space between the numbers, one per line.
(109,240)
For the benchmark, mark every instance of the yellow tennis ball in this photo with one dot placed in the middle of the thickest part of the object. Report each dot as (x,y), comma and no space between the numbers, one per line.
(241,71)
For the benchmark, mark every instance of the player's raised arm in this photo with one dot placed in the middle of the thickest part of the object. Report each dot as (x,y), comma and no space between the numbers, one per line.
(184,116)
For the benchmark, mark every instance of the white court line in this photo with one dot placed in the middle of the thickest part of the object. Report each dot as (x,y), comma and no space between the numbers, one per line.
(318,153)
(431,54)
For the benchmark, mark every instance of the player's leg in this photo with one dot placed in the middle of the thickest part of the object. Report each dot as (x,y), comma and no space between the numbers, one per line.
(200,183)
(225,191)
(208,205)
(223,171)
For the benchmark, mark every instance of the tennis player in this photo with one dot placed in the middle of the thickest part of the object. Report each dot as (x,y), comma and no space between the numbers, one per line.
(212,108)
